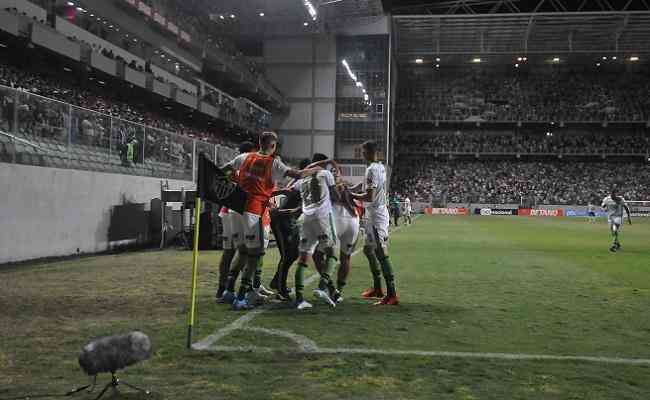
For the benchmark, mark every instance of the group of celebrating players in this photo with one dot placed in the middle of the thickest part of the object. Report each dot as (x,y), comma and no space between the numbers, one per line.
(315,213)
(310,217)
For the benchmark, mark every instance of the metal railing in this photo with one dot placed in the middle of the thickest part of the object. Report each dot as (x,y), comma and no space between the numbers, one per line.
(37,130)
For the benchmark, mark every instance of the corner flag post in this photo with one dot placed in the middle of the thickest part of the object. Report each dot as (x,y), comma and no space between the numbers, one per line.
(195,267)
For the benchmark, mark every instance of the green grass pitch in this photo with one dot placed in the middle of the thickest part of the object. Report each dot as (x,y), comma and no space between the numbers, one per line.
(470,285)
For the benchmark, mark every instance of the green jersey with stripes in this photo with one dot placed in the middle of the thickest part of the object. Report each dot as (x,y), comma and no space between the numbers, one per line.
(315,193)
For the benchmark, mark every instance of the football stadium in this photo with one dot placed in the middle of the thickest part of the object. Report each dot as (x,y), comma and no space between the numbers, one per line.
(330,199)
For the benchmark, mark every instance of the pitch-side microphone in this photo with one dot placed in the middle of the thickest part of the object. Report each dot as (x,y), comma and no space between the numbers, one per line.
(112,353)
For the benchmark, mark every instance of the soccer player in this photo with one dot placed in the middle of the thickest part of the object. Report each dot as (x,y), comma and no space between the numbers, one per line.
(407,210)
(347,214)
(591,210)
(395,209)
(232,239)
(258,174)
(284,224)
(614,205)
(378,219)
(317,229)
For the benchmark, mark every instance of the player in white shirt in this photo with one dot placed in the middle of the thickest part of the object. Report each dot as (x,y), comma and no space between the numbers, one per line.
(318,228)
(614,205)
(378,219)
(233,238)
(591,210)
(347,214)
(407,210)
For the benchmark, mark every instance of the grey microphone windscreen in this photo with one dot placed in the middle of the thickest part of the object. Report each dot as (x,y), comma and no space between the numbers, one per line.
(112,353)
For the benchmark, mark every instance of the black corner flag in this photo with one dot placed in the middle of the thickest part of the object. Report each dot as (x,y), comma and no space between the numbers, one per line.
(215,186)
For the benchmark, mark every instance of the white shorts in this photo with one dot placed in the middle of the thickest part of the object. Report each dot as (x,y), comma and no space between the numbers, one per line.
(347,230)
(317,231)
(377,229)
(226,231)
(248,230)
(615,221)
(237,229)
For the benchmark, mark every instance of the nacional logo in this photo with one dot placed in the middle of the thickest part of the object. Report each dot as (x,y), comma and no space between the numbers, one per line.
(223,187)
(486,211)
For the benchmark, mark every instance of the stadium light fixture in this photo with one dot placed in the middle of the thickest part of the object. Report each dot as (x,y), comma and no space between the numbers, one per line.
(476,60)
(71,4)
(419,61)
(261,14)
(556,59)
(437,59)
(365,97)
(359,84)
(364,91)
(516,65)
(310,9)
(520,59)
(634,58)
(349,70)
(598,64)
(232,16)
(222,17)
(525,59)
(437,65)
(614,58)
(305,23)
(604,58)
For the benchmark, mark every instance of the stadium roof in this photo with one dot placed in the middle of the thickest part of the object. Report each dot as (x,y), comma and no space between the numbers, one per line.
(286,17)
(505,27)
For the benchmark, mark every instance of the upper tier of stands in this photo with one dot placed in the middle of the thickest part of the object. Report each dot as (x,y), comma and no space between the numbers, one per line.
(559,94)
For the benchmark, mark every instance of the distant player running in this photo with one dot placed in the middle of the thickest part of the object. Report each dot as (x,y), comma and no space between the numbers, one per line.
(378,219)
(614,206)
(591,209)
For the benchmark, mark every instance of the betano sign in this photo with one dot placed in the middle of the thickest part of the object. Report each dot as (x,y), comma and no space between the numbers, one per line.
(540,213)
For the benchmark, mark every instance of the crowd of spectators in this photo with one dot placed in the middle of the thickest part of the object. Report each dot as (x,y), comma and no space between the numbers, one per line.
(578,143)
(34,111)
(557,94)
(514,182)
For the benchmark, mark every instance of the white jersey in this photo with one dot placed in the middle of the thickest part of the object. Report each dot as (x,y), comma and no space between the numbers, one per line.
(407,205)
(376,179)
(614,209)
(315,193)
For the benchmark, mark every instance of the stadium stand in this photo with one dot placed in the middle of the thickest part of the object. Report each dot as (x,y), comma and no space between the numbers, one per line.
(557,94)
(514,182)
(509,143)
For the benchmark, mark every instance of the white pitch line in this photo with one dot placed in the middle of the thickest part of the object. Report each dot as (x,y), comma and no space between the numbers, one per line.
(209,341)
(304,343)
(440,354)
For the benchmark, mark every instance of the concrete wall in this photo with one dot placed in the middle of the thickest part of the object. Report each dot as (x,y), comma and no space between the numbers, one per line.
(47,212)
(304,69)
